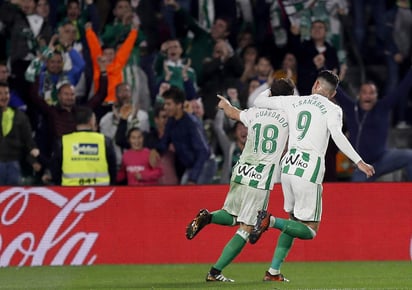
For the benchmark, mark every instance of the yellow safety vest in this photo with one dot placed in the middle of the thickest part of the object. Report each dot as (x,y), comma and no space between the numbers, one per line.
(84,159)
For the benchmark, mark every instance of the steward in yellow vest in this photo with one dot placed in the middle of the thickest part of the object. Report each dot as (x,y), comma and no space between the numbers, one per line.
(85,157)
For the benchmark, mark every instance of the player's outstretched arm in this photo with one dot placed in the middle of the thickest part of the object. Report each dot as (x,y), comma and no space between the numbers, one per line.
(230,111)
(366,168)
(264,100)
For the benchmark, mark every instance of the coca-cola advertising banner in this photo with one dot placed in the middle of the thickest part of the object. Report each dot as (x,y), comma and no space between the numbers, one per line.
(136,225)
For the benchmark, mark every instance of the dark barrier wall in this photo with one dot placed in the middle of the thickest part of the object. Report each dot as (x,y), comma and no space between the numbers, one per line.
(133,225)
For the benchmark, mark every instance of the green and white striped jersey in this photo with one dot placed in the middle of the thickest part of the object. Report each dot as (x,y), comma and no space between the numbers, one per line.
(259,163)
(312,120)
(304,165)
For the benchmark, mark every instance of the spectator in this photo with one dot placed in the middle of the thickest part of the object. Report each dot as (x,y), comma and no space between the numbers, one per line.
(48,71)
(43,9)
(115,32)
(252,85)
(15,101)
(116,60)
(75,16)
(263,69)
(84,157)
(123,16)
(172,68)
(376,10)
(135,166)
(201,45)
(288,68)
(60,117)
(249,57)
(231,144)
(67,42)
(398,52)
(245,39)
(124,114)
(367,121)
(284,12)
(184,131)
(23,27)
(16,142)
(313,56)
(151,139)
(221,72)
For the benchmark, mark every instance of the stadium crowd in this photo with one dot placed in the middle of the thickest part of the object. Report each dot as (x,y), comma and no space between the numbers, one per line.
(158,65)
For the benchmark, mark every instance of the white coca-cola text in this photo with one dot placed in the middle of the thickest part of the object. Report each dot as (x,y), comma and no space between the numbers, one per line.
(32,249)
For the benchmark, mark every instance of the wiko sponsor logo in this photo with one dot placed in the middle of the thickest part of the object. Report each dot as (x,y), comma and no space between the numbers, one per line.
(249,171)
(59,231)
(295,160)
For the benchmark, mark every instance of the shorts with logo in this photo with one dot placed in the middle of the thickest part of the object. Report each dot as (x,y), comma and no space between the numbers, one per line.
(244,202)
(302,197)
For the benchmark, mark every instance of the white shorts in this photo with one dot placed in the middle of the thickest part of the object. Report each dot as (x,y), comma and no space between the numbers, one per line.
(244,202)
(302,198)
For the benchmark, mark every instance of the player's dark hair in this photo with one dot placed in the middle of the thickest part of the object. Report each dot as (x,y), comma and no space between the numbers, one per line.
(282,87)
(175,94)
(330,77)
(82,115)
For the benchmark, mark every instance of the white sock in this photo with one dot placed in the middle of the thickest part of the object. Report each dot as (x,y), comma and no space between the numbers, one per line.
(272,221)
(273,271)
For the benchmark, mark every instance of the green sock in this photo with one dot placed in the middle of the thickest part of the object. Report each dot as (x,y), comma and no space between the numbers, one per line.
(222,217)
(283,246)
(294,229)
(230,251)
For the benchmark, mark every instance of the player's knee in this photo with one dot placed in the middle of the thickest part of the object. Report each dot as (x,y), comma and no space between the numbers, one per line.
(312,229)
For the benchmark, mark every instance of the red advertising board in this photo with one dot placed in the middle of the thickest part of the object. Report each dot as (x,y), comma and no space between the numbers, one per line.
(134,225)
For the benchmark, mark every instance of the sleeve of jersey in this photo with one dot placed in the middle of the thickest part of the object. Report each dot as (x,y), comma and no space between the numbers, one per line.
(335,128)
(264,100)
(244,118)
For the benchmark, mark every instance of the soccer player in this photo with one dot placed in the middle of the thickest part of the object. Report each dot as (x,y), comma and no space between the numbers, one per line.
(312,120)
(252,178)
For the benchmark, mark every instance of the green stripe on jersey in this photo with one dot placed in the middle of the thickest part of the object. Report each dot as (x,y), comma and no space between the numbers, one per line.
(253,183)
(315,172)
(260,168)
(299,172)
(238,179)
(305,156)
(268,180)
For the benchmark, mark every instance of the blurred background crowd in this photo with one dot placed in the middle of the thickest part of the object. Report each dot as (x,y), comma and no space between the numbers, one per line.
(150,71)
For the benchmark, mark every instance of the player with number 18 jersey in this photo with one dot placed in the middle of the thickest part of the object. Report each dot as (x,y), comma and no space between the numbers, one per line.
(258,166)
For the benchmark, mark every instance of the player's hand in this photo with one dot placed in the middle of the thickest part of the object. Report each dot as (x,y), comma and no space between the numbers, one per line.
(366,168)
(223,103)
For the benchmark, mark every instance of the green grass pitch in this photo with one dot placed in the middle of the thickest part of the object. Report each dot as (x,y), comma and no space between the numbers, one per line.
(303,275)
